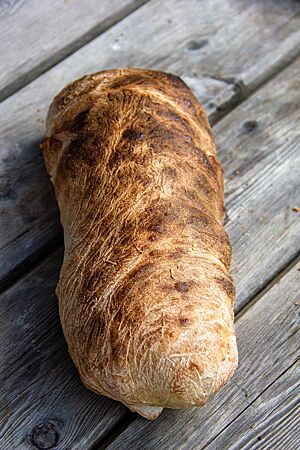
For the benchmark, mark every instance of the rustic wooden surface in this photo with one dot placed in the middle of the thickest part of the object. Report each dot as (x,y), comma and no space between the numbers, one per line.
(259,147)
(259,40)
(39,383)
(269,343)
(271,421)
(241,60)
(36,34)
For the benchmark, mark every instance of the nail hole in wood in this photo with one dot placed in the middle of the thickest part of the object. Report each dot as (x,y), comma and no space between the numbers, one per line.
(249,126)
(196,45)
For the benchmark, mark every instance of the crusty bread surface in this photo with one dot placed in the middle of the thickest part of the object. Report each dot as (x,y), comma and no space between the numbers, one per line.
(145,298)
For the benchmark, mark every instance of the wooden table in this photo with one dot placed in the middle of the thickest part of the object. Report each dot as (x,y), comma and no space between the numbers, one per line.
(242,59)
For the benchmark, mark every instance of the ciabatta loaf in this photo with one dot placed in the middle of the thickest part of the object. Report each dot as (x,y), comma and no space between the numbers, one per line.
(145,298)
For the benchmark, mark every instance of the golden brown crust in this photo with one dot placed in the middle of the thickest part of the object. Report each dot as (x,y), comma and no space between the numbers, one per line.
(146,301)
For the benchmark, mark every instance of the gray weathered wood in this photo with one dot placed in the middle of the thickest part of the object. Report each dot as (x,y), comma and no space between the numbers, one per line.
(36,34)
(29,213)
(269,343)
(42,399)
(258,144)
(285,181)
(271,421)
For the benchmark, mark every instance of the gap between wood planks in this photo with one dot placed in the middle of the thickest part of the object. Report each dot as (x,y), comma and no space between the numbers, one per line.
(243,93)
(43,224)
(236,118)
(114,432)
(31,262)
(231,107)
(118,429)
(269,285)
(72,47)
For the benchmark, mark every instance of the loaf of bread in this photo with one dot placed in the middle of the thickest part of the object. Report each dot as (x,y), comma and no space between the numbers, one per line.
(145,298)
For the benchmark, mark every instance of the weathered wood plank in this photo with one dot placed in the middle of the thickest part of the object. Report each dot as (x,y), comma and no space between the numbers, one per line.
(35,34)
(42,399)
(29,213)
(271,421)
(269,343)
(258,39)
(258,144)
(263,168)
(254,358)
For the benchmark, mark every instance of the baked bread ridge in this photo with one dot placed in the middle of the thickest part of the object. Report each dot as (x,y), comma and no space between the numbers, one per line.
(145,298)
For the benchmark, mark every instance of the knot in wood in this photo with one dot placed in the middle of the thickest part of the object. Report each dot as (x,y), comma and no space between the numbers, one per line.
(44,436)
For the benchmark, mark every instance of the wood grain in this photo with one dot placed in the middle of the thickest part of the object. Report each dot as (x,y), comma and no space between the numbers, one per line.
(223,54)
(30,218)
(258,144)
(271,421)
(276,139)
(268,339)
(35,34)
(42,398)
(28,208)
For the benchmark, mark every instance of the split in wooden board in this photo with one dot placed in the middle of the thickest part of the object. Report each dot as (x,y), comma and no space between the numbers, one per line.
(40,373)
(232,44)
(35,34)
